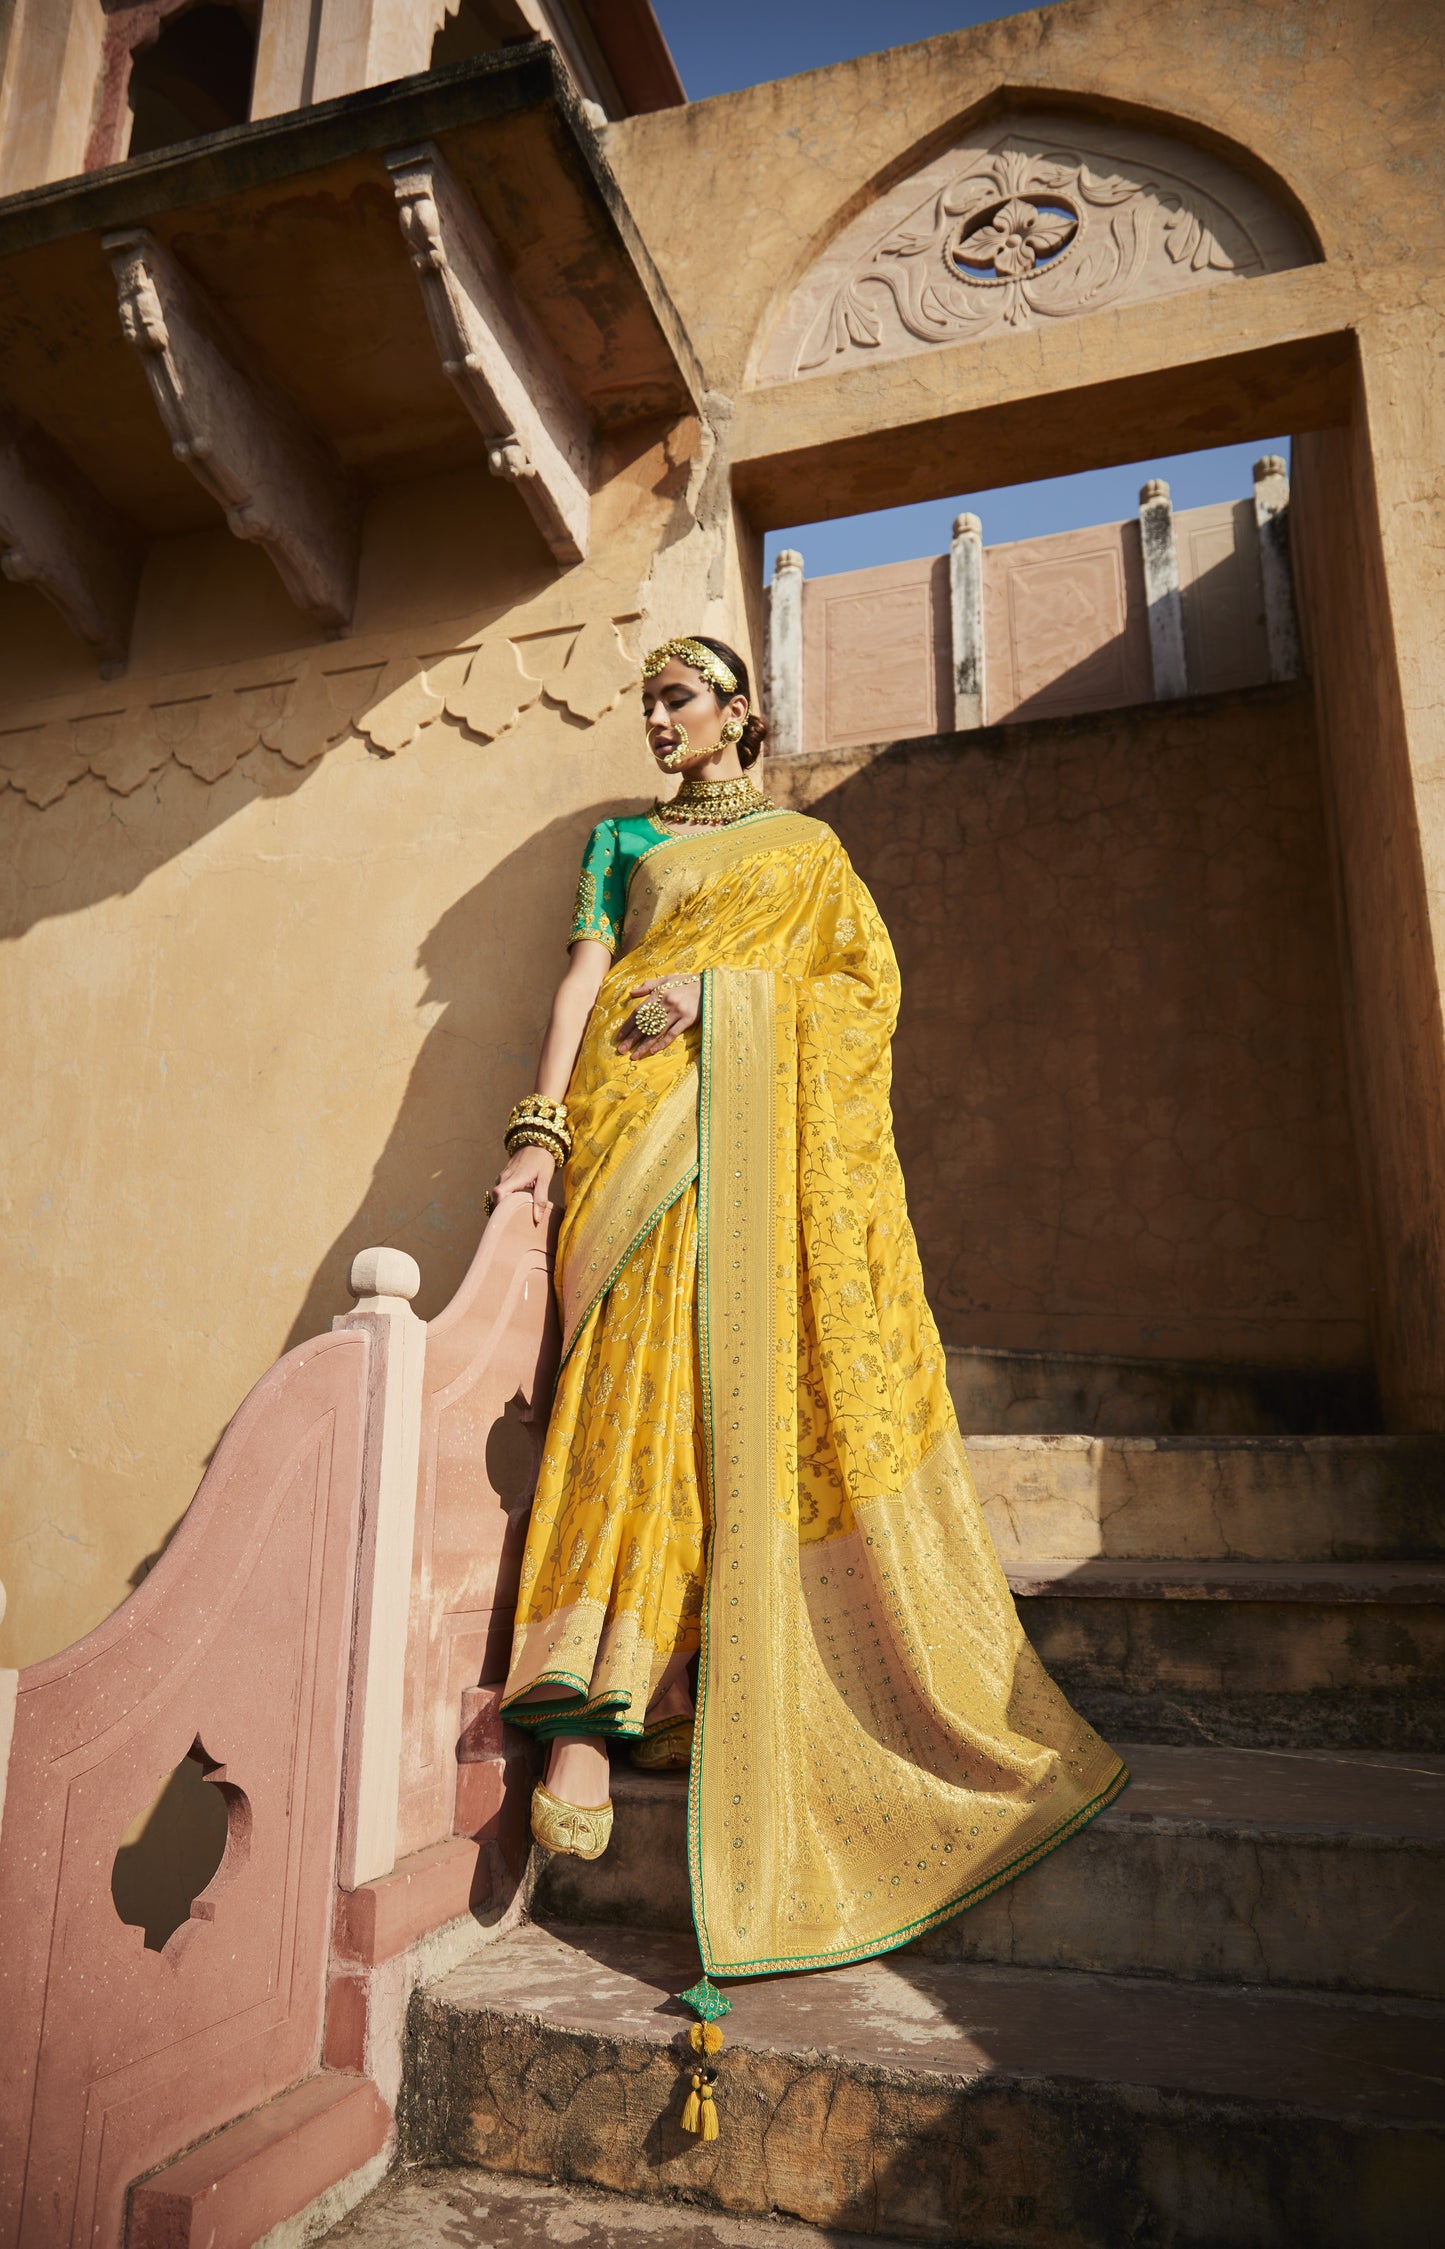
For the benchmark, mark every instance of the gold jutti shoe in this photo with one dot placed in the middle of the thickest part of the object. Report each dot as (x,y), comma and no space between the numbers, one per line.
(669,1750)
(578,1831)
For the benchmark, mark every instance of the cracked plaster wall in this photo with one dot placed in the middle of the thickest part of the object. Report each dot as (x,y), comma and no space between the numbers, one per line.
(1119,1071)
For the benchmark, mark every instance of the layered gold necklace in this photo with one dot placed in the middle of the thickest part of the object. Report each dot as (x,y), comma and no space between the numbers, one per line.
(713,804)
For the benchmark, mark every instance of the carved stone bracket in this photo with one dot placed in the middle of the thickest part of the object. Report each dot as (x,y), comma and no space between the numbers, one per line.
(59,535)
(536,429)
(278,483)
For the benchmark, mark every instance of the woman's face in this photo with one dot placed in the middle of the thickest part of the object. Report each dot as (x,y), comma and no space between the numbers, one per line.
(682,714)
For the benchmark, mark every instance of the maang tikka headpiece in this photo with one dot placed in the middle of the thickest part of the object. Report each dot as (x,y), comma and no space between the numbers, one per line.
(692,652)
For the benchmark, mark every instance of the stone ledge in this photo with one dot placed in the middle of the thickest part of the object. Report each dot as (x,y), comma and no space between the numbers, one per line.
(421,1894)
(278,148)
(231,2190)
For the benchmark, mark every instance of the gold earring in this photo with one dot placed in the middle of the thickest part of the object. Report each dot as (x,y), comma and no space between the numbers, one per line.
(732,732)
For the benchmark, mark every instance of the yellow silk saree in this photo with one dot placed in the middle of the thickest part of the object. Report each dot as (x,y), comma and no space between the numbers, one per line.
(752,1449)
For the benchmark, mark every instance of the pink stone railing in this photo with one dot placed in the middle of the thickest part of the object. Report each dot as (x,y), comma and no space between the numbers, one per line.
(325,1636)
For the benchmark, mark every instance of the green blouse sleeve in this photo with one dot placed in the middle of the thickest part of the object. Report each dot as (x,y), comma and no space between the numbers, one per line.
(601,889)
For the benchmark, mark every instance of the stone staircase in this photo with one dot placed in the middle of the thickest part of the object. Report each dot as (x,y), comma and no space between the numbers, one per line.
(1213,2020)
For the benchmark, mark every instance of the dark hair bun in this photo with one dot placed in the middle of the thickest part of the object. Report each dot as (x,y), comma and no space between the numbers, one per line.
(755,732)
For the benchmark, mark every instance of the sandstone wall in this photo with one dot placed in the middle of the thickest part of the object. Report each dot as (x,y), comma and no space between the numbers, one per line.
(269,1006)
(1390,878)
(1119,1074)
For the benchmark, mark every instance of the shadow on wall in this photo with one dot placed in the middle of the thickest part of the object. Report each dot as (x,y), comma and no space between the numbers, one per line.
(428,1184)
(91,845)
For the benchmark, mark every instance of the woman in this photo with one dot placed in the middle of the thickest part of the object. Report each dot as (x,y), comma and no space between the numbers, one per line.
(752,1451)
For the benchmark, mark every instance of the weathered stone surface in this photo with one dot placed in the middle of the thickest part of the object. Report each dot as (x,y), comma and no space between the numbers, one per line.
(942,2104)
(1247,1498)
(1328,1655)
(1311,1869)
(453,2209)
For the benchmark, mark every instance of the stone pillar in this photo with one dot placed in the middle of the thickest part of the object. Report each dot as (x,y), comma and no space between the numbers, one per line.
(965,613)
(384,1281)
(1161,591)
(785,656)
(1271,516)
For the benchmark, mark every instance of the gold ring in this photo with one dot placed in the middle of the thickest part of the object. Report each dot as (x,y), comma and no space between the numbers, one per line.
(652,1018)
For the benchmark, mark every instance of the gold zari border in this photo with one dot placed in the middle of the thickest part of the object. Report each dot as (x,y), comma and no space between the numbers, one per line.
(651,1175)
(878,1747)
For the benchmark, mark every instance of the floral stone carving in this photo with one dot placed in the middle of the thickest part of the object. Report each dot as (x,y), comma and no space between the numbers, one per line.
(1048,219)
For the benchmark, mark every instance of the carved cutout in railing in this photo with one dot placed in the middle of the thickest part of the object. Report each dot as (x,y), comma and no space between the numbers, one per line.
(162,1875)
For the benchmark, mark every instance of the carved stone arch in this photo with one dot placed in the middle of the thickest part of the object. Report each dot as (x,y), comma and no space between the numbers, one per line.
(1033,214)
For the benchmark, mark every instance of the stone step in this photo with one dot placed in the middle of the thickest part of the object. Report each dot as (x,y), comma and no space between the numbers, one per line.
(1307,1869)
(1262,1655)
(1296,1499)
(452,2209)
(1041,1393)
(942,2103)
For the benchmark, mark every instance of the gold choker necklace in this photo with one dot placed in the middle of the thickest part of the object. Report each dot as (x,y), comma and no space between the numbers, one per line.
(714,804)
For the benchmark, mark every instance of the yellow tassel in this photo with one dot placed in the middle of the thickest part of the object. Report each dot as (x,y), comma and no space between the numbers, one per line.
(709,2114)
(692,2107)
(706,2038)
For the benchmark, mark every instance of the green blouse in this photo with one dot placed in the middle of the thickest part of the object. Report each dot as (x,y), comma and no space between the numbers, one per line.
(614,848)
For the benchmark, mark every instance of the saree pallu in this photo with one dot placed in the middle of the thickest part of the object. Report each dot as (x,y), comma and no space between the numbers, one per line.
(752,1445)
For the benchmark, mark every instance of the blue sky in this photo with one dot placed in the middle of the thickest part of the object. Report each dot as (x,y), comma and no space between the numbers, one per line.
(719,50)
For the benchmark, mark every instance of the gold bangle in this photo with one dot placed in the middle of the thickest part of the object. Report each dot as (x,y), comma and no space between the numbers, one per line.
(538,1136)
(537,1122)
(535,1108)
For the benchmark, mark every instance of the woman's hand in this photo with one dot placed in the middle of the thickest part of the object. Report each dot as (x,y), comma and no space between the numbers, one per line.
(529,1172)
(680,995)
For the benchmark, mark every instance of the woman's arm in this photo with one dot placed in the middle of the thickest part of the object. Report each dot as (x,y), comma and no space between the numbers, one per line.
(529,1172)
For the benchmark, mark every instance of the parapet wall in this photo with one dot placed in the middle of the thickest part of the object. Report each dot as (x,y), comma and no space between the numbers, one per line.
(1043,628)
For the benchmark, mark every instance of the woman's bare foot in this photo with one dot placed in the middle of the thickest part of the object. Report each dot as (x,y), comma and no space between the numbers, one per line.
(578,1771)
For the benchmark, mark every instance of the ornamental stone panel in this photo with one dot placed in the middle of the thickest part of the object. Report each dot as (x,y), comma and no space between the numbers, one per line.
(1046,216)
